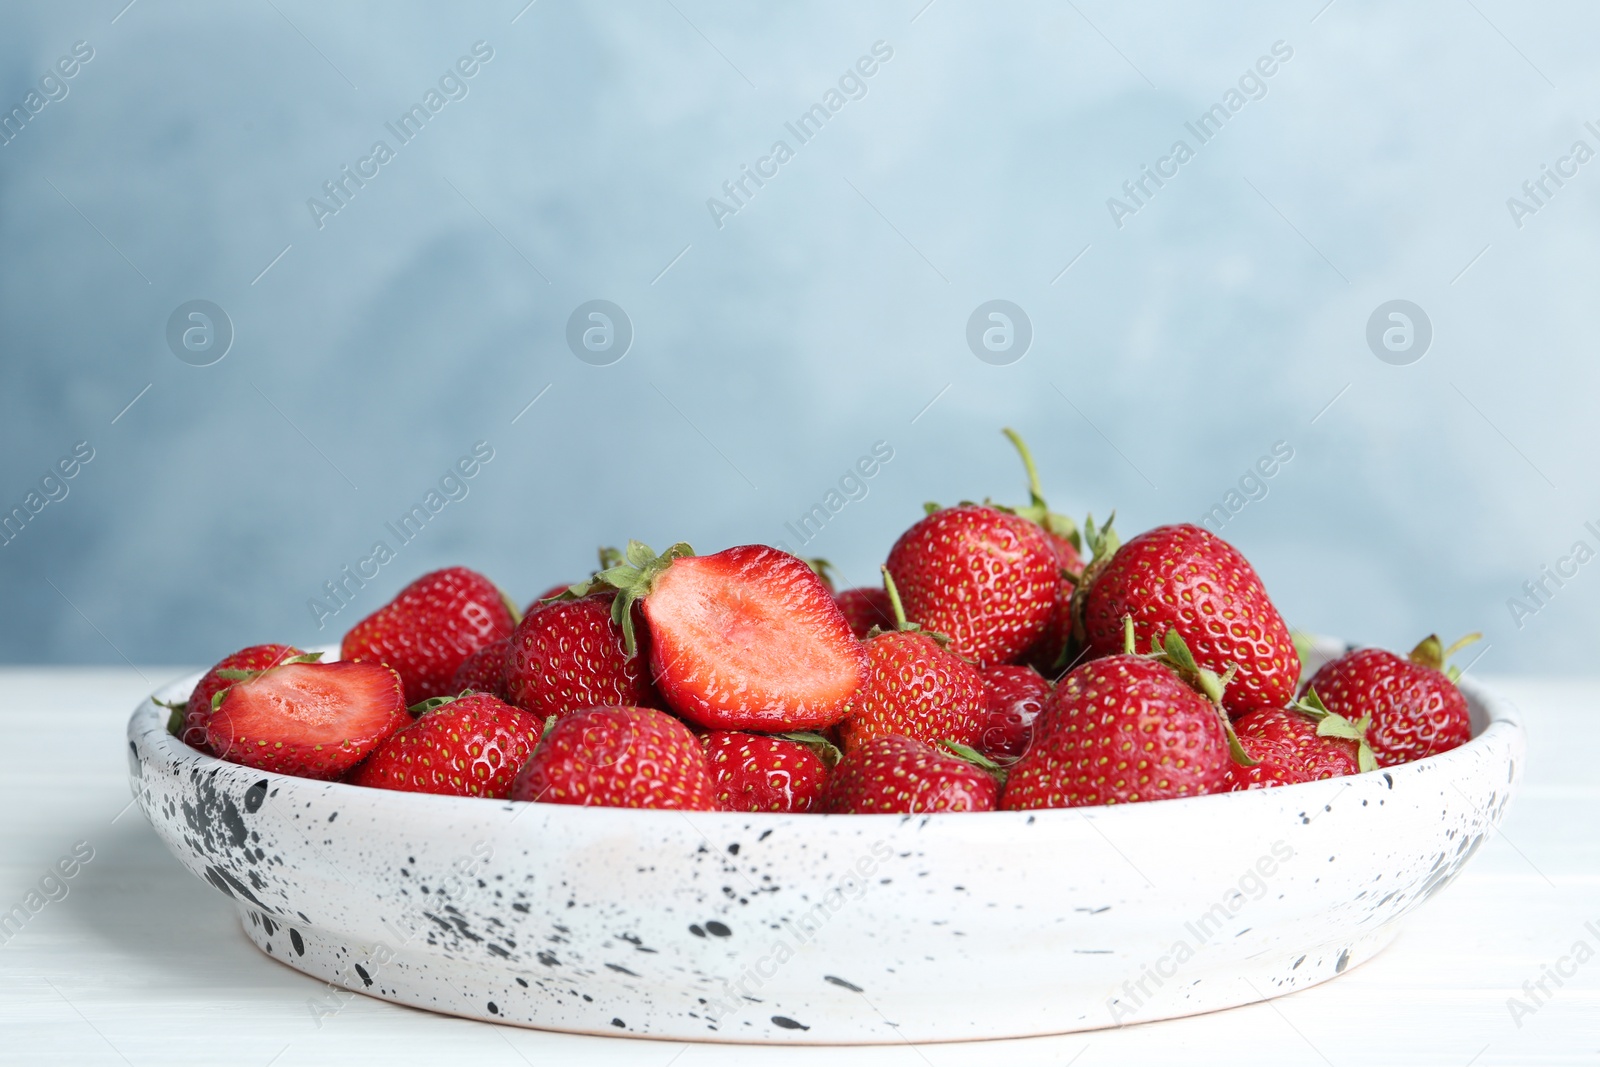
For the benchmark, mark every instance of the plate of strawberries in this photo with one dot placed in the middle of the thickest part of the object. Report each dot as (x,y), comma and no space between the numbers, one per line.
(1038,780)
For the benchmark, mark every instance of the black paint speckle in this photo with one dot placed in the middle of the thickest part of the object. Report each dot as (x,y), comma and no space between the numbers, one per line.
(842,983)
(365,977)
(254,796)
(717,929)
(788,1023)
(1343,962)
(696,930)
(494,1009)
(297,942)
(619,1024)
(620,969)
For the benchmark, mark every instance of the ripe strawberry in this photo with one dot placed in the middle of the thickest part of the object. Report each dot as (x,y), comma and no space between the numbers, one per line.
(754,772)
(985,578)
(865,607)
(313,720)
(619,758)
(1303,743)
(1066,545)
(914,688)
(188,722)
(484,671)
(746,639)
(467,747)
(426,631)
(567,654)
(1414,704)
(1277,763)
(1188,579)
(1013,697)
(900,775)
(1127,728)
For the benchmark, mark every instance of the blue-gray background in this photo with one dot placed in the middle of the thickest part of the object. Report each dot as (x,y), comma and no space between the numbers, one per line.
(773,351)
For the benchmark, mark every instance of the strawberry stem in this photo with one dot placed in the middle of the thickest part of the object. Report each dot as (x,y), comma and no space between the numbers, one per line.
(894,600)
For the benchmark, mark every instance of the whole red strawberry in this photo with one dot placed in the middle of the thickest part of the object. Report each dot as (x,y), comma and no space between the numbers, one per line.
(1415,707)
(189,720)
(313,720)
(434,624)
(468,747)
(1013,697)
(985,578)
(1123,729)
(914,688)
(865,607)
(746,639)
(1186,578)
(901,775)
(755,772)
(1048,653)
(619,758)
(567,654)
(484,671)
(1277,763)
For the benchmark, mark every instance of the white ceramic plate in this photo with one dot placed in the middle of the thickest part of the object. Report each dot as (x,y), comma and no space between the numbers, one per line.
(823,928)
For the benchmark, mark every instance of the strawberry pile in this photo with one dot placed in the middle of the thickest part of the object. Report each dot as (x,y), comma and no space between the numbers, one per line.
(1009,660)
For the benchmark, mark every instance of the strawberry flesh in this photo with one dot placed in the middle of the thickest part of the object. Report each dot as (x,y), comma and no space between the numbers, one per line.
(750,639)
(198,711)
(313,720)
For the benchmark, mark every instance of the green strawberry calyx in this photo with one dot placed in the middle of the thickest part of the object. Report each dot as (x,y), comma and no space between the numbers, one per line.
(1102,543)
(633,579)
(1036,510)
(229,674)
(1174,653)
(976,758)
(823,569)
(1431,653)
(1332,724)
(422,707)
(826,750)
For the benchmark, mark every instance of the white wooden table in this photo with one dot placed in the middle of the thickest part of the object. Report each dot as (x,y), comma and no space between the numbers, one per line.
(138,962)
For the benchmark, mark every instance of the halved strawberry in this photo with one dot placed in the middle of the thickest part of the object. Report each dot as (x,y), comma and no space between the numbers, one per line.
(430,627)
(901,775)
(618,758)
(755,772)
(467,747)
(189,720)
(313,720)
(746,639)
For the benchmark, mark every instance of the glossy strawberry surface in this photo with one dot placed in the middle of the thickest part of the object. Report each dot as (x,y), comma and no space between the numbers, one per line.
(865,607)
(901,775)
(754,772)
(984,578)
(1014,696)
(915,688)
(1187,579)
(1416,711)
(471,747)
(620,758)
(198,710)
(567,655)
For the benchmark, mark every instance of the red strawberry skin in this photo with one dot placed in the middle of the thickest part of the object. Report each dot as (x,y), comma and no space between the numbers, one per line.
(865,607)
(568,655)
(750,639)
(1322,757)
(1277,763)
(198,711)
(1046,652)
(1013,698)
(984,578)
(549,594)
(1416,711)
(312,720)
(471,747)
(426,631)
(1186,578)
(1119,730)
(619,758)
(900,775)
(484,671)
(916,689)
(758,773)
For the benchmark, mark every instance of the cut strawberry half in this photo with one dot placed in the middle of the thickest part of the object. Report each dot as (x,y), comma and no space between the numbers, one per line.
(313,720)
(746,639)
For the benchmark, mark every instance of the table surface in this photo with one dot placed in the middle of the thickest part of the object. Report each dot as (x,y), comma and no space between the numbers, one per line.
(139,962)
